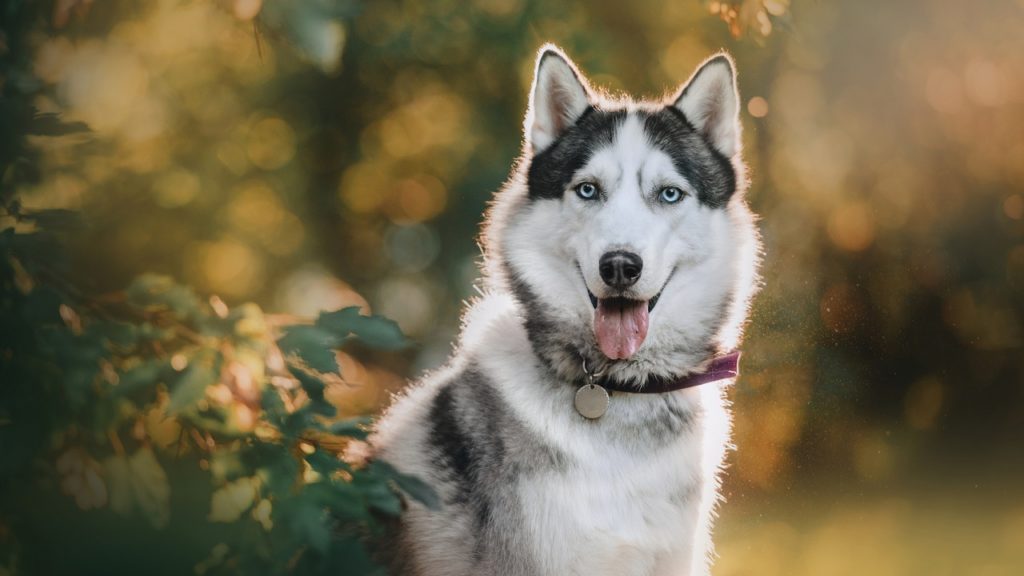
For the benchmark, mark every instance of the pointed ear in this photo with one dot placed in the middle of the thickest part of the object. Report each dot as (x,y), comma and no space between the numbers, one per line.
(558,98)
(710,101)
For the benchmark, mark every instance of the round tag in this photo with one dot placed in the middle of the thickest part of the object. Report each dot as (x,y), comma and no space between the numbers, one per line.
(591,401)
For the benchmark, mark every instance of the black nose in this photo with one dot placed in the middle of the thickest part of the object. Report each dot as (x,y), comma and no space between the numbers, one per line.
(620,269)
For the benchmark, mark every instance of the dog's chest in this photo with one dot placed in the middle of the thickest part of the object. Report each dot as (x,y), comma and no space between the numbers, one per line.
(622,514)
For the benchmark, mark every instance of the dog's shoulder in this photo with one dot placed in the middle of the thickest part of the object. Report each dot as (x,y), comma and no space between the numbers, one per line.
(458,403)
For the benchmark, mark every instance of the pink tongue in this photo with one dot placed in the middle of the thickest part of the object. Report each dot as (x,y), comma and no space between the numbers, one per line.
(620,327)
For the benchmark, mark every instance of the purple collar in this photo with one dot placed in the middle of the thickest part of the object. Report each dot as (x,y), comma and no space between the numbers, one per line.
(720,368)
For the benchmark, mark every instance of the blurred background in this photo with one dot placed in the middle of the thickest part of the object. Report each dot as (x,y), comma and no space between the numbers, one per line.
(307,156)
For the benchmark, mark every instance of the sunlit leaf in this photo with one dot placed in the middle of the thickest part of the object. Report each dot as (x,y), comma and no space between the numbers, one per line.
(81,479)
(314,388)
(152,290)
(191,386)
(375,331)
(139,483)
(232,500)
(152,490)
(352,427)
(249,321)
(313,345)
(119,484)
(161,429)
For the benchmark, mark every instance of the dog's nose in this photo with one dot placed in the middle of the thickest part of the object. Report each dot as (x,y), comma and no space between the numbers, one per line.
(620,269)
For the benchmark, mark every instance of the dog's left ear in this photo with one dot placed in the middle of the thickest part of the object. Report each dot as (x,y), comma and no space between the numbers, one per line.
(710,101)
(558,98)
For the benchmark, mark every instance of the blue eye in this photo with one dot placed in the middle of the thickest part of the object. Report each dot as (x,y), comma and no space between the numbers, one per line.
(670,195)
(587,191)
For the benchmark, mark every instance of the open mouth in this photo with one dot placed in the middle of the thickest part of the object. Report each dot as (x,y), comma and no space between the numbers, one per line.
(650,303)
(620,324)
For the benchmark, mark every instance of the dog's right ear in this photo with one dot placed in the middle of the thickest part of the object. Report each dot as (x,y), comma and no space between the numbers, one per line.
(558,98)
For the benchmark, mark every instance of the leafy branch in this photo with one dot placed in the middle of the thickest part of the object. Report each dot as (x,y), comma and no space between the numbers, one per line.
(104,396)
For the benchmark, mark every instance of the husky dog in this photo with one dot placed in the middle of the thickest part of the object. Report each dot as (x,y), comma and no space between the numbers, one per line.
(620,256)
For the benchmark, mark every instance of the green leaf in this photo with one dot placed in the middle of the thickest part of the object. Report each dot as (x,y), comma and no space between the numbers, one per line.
(143,375)
(343,498)
(118,333)
(153,290)
(322,407)
(349,557)
(281,469)
(191,387)
(79,356)
(352,427)
(325,462)
(314,388)
(411,485)
(296,423)
(55,218)
(313,27)
(308,522)
(380,496)
(418,489)
(311,384)
(314,345)
(49,124)
(273,405)
(375,331)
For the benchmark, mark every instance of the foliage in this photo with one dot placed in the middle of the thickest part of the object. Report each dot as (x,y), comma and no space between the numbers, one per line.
(155,374)
(756,17)
(107,397)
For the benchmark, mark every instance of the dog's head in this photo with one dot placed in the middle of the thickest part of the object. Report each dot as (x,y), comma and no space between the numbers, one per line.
(623,231)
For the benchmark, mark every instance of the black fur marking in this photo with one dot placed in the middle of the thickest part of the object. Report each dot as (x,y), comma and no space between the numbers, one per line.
(467,453)
(484,450)
(551,171)
(692,155)
(546,338)
(668,129)
(455,447)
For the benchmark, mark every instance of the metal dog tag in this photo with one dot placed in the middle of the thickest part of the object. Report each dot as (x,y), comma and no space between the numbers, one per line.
(591,401)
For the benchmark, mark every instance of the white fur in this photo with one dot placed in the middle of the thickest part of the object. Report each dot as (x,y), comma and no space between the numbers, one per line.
(611,510)
(711,102)
(557,98)
(608,515)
